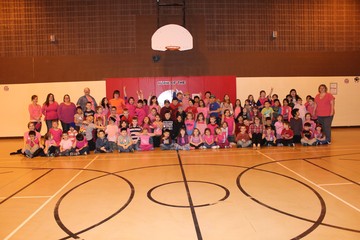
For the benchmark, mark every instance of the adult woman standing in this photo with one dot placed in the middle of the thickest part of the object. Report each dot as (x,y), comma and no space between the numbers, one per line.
(49,110)
(35,112)
(325,109)
(66,112)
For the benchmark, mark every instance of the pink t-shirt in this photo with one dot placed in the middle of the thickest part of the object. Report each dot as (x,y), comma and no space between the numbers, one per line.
(323,108)
(144,139)
(157,128)
(81,144)
(203,110)
(209,139)
(56,133)
(221,138)
(29,142)
(231,124)
(157,107)
(201,126)
(35,112)
(112,132)
(195,139)
(37,135)
(151,117)
(310,109)
(131,108)
(102,116)
(237,111)
(279,126)
(141,114)
(50,142)
(66,144)
(212,128)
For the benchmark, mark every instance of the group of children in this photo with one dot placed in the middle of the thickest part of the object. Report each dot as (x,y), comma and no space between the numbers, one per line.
(183,124)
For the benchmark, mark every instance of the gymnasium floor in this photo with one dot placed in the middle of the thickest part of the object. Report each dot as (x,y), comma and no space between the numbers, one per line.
(272,193)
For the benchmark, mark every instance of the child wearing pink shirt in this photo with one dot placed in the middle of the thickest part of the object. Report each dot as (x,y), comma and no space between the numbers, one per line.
(195,140)
(51,148)
(279,126)
(286,110)
(221,139)
(56,132)
(201,123)
(81,145)
(209,140)
(226,117)
(189,123)
(114,115)
(112,131)
(140,112)
(203,109)
(212,125)
(146,141)
(31,145)
(99,113)
(65,145)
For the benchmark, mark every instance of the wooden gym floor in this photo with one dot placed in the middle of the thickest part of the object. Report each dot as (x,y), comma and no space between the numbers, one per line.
(272,193)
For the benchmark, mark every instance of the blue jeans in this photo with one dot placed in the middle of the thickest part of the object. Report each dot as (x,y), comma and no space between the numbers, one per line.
(326,126)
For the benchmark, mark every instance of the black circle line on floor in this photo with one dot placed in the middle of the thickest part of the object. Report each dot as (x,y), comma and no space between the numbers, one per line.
(316,223)
(227,194)
(75,235)
(222,165)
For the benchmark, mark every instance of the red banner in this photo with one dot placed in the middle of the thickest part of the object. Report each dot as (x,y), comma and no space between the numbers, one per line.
(163,86)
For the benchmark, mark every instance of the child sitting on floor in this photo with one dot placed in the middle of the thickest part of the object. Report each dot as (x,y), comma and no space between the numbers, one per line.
(65,145)
(102,143)
(243,139)
(166,142)
(209,140)
(124,141)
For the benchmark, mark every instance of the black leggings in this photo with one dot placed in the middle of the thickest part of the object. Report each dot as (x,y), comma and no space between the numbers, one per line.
(257,138)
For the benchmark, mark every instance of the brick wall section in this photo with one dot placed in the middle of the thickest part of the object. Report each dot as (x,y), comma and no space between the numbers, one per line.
(107,38)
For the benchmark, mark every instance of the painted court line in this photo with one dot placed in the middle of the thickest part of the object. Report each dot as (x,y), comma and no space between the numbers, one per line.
(308,180)
(27,197)
(336,184)
(47,201)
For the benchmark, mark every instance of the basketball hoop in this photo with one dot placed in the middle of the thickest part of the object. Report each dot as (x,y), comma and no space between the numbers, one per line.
(172,48)
(172,37)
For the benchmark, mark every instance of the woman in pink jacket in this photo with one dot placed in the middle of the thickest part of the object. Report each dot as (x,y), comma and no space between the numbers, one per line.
(35,112)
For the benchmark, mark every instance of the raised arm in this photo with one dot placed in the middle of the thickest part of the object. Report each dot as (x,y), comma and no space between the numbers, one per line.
(124,91)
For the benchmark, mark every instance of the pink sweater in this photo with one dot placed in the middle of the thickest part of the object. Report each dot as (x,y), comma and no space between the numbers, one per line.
(35,112)
(66,112)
